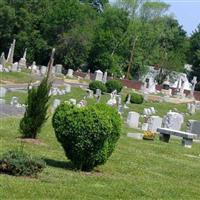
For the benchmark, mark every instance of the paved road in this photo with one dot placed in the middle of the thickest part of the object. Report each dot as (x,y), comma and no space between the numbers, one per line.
(8,110)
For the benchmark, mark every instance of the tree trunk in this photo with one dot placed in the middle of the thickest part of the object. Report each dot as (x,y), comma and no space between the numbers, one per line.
(131,60)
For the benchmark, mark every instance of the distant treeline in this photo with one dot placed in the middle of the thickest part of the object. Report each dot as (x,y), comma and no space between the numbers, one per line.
(122,38)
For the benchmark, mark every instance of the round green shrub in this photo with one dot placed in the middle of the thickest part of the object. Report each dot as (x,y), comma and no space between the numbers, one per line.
(97,85)
(136,98)
(19,163)
(112,85)
(88,135)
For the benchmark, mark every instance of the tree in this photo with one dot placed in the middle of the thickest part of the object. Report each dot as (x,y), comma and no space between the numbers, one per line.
(194,53)
(37,105)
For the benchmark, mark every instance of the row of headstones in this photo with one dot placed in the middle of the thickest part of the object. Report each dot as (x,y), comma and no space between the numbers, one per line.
(57,69)
(193,107)
(72,101)
(171,120)
(56,91)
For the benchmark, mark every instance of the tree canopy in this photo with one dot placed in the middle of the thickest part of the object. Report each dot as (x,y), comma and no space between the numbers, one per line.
(122,38)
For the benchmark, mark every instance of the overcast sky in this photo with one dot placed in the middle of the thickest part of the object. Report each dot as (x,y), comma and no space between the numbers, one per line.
(186,11)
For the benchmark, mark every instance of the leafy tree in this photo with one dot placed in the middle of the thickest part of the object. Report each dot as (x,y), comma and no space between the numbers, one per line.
(194,53)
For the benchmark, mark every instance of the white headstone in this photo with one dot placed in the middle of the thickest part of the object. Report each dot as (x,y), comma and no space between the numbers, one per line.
(2,92)
(133,119)
(104,79)
(14,67)
(154,122)
(22,62)
(67,88)
(56,103)
(70,73)
(98,75)
(43,70)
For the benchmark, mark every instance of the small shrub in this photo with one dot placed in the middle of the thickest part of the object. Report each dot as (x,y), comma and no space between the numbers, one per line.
(19,163)
(136,98)
(36,110)
(114,85)
(88,135)
(97,85)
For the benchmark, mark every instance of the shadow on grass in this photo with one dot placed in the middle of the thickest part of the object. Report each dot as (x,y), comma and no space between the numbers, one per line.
(59,164)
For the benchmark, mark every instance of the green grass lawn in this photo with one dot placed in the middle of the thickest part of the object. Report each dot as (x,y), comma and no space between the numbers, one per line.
(136,170)
(15,77)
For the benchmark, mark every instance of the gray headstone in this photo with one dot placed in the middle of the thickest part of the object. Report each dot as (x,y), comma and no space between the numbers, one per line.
(194,127)
(70,73)
(173,121)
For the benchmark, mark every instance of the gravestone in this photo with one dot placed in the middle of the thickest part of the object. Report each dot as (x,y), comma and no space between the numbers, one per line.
(173,121)
(14,67)
(128,99)
(194,82)
(112,101)
(191,108)
(98,95)
(22,62)
(154,122)
(104,79)
(72,101)
(90,94)
(2,92)
(14,101)
(56,103)
(58,69)
(87,77)
(194,127)
(34,68)
(2,101)
(2,60)
(70,73)
(1,68)
(67,88)
(98,75)
(43,70)
(145,126)
(133,120)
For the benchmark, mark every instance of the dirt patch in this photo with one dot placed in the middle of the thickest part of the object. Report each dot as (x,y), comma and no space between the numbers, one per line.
(32,141)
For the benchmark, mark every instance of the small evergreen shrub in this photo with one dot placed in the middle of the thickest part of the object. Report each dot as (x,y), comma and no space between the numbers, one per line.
(19,163)
(36,110)
(97,85)
(112,85)
(136,98)
(88,135)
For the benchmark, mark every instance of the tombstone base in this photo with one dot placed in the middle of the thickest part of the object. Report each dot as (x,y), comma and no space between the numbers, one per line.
(187,142)
(164,137)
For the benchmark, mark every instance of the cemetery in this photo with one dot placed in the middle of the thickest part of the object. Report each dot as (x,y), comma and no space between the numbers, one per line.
(97,126)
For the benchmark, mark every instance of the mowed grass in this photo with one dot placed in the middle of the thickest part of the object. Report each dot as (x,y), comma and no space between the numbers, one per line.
(15,77)
(136,170)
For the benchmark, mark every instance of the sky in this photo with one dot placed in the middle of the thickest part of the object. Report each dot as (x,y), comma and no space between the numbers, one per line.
(186,11)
